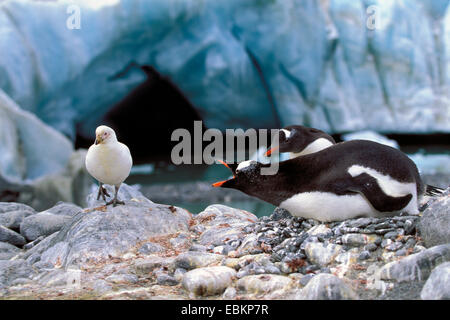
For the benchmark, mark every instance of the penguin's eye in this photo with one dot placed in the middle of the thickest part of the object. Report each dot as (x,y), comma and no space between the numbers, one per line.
(286,134)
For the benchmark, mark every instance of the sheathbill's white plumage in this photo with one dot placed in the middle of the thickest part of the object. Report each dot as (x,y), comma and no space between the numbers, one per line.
(108,161)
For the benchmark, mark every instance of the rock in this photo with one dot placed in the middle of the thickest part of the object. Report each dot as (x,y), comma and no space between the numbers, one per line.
(358,239)
(280,213)
(364,255)
(59,277)
(249,245)
(126,193)
(303,281)
(9,236)
(42,224)
(318,230)
(229,294)
(360,222)
(7,251)
(179,273)
(14,269)
(150,247)
(105,232)
(391,235)
(394,246)
(101,286)
(321,254)
(194,259)
(434,225)
(166,280)
(181,241)
(437,286)
(33,254)
(416,267)
(13,219)
(326,287)
(13,206)
(223,223)
(64,209)
(143,267)
(122,278)
(30,245)
(265,283)
(209,280)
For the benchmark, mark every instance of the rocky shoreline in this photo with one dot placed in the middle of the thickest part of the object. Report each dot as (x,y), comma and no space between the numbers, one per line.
(145,250)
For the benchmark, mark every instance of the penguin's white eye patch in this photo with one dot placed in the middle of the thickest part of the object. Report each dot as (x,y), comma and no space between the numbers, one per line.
(287,133)
(243,165)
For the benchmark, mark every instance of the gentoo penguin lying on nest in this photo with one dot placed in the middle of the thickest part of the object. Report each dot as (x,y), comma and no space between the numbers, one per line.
(357,178)
(108,161)
(299,140)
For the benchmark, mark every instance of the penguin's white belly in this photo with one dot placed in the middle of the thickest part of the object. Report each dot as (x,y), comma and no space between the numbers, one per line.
(325,206)
(109,164)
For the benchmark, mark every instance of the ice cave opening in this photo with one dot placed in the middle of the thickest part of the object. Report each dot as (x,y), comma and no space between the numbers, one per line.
(146,117)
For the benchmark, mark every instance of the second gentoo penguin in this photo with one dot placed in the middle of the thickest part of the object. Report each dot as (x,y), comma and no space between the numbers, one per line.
(300,140)
(109,161)
(357,178)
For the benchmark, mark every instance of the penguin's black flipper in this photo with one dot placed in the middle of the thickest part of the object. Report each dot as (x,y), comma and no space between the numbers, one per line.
(369,187)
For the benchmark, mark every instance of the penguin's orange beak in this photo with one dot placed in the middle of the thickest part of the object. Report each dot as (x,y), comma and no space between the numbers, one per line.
(220,183)
(270,151)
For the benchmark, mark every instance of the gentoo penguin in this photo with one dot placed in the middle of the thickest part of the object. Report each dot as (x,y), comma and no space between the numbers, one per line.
(108,161)
(300,140)
(347,180)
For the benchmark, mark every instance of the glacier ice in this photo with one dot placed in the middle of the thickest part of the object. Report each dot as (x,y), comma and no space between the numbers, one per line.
(29,149)
(260,63)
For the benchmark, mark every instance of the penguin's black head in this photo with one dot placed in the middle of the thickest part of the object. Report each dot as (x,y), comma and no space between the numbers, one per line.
(245,174)
(296,138)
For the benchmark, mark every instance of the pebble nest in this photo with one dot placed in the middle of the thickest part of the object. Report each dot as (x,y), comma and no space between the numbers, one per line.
(285,237)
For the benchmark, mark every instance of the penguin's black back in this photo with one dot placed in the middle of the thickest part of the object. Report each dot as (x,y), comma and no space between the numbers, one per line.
(327,170)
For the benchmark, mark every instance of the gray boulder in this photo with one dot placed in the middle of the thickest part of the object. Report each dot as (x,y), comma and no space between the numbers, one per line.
(103,232)
(209,280)
(14,206)
(434,225)
(13,219)
(64,209)
(326,287)
(12,237)
(223,223)
(7,251)
(437,286)
(416,267)
(195,259)
(126,193)
(42,224)
(262,284)
(14,269)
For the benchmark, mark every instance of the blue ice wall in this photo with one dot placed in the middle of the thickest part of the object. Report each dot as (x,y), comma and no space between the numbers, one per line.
(338,65)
